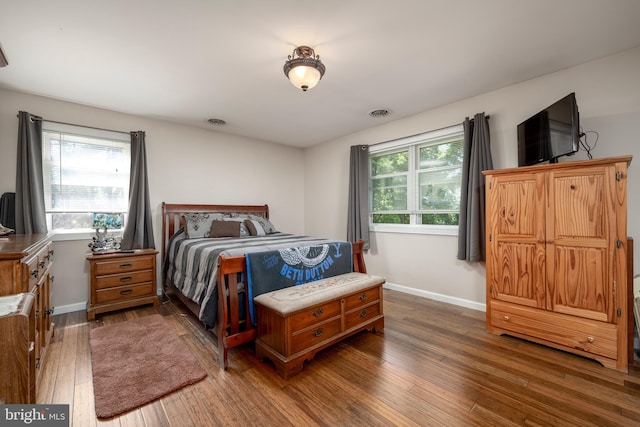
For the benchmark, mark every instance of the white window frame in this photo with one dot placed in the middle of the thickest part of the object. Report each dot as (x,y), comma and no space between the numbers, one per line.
(91,133)
(412,186)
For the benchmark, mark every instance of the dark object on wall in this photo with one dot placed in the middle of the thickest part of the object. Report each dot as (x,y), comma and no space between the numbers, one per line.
(8,210)
(553,132)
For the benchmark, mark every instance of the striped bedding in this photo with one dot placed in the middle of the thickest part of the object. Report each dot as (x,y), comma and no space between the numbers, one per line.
(191,264)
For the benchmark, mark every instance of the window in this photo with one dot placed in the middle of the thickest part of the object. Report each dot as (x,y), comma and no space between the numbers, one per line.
(415,182)
(85,170)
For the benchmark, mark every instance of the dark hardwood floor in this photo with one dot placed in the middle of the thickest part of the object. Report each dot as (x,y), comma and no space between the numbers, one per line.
(434,364)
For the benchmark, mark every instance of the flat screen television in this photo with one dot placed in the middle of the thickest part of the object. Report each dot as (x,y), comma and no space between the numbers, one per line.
(552,133)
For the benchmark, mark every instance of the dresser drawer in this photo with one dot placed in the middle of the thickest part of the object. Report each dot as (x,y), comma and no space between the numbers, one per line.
(362,298)
(578,333)
(125,293)
(361,315)
(124,265)
(315,315)
(124,279)
(32,271)
(303,340)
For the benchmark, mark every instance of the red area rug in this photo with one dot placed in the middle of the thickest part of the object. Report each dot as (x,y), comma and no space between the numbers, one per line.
(136,362)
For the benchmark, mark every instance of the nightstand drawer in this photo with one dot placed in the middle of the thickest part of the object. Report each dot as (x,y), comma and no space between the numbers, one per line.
(125,293)
(124,279)
(124,265)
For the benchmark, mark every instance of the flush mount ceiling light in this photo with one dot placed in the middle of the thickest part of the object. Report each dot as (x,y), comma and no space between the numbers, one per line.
(303,68)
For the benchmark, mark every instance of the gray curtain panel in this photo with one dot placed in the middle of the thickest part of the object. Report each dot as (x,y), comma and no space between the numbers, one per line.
(138,232)
(358,215)
(30,209)
(477,157)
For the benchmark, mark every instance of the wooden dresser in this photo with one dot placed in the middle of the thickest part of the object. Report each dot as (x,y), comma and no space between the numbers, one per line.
(26,263)
(122,280)
(557,247)
(17,352)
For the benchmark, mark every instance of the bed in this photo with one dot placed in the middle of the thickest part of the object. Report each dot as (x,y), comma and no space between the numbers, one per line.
(207,273)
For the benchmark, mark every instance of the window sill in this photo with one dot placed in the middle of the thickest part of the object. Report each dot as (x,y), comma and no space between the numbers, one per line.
(442,230)
(81,234)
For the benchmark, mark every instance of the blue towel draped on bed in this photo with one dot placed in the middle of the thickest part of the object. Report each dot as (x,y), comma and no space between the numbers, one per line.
(278,269)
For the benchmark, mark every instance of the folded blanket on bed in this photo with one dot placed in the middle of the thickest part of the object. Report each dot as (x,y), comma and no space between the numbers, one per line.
(278,269)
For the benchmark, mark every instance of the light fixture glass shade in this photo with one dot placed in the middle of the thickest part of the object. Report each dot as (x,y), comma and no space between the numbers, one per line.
(304,77)
(304,68)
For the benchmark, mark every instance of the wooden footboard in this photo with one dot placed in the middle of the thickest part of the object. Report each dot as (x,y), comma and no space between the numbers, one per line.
(231,328)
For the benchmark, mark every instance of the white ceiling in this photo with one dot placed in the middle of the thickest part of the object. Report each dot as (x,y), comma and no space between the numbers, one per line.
(190,60)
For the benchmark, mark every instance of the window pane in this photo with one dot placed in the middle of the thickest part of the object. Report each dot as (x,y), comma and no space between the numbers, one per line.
(390,163)
(391,218)
(440,190)
(447,154)
(84,171)
(389,193)
(440,219)
(417,180)
(85,174)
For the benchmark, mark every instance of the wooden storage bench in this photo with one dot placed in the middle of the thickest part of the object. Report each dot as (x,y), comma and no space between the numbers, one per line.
(293,324)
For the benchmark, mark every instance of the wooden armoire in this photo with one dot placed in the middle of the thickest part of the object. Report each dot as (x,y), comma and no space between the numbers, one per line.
(556,256)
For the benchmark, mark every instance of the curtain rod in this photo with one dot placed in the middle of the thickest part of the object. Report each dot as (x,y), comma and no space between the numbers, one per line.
(417,134)
(73,124)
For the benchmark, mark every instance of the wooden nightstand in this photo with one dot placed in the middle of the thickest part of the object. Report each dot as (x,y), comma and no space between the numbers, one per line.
(122,280)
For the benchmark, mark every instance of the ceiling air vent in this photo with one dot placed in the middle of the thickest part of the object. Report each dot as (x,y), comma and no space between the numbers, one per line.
(379,113)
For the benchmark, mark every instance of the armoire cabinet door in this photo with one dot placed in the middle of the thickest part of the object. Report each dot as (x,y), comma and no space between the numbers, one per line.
(581,236)
(516,235)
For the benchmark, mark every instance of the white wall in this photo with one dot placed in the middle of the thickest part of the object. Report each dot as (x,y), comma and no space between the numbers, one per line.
(608,96)
(186,165)
(190,165)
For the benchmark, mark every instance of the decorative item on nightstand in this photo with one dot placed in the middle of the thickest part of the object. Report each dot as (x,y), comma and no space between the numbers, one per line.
(106,221)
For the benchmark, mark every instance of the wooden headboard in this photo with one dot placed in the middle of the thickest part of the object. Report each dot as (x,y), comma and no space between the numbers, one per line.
(172,215)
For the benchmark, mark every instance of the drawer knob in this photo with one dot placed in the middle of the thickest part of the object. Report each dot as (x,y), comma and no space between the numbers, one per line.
(506,318)
(125,265)
(42,264)
(318,312)
(126,279)
(318,332)
(126,292)
(363,314)
(34,273)
(363,296)
(591,339)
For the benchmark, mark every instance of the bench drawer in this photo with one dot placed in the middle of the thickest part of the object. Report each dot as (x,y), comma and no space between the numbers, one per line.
(314,315)
(361,315)
(362,298)
(316,334)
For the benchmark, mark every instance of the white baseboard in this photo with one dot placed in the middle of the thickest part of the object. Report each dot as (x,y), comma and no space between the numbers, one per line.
(437,297)
(81,306)
(69,308)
